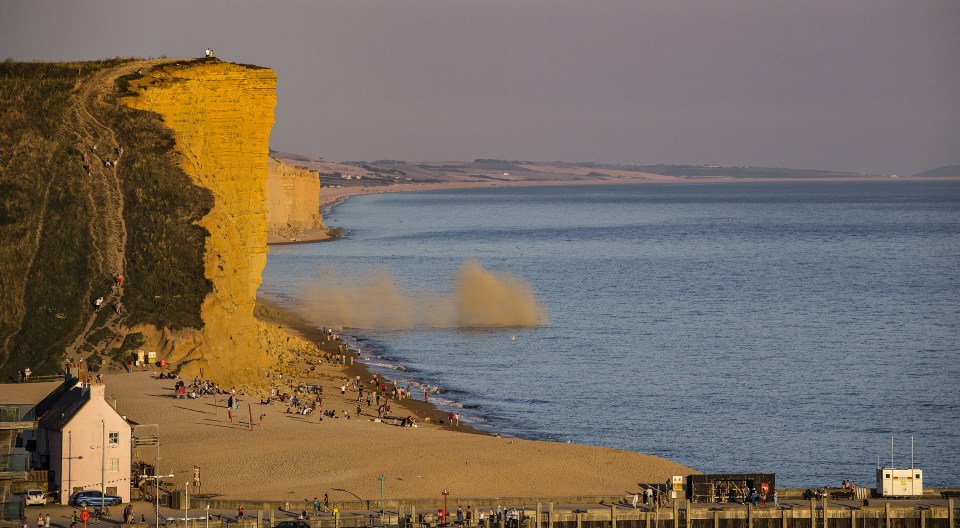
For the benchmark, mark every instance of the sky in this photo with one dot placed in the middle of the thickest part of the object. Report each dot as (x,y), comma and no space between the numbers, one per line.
(855,85)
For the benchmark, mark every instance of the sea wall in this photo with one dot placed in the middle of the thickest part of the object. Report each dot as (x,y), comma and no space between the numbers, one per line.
(221,115)
(293,198)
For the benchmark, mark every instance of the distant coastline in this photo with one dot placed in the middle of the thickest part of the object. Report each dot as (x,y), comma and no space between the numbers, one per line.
(331,197)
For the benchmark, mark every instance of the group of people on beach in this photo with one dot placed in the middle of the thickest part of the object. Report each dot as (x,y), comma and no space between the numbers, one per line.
(197,389)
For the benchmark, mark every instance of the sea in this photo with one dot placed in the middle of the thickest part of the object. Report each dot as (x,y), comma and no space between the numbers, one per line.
(809,329)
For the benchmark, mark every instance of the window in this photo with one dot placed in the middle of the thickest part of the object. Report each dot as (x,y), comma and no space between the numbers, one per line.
(114,437)
(113,465)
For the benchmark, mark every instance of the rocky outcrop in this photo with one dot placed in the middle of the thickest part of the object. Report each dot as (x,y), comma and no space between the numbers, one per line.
(221,115)
(293,199)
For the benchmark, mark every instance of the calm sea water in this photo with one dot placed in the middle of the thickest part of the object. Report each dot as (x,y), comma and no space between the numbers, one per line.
(784,327)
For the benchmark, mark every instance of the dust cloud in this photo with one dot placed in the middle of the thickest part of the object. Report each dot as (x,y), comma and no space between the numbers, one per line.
(480,299)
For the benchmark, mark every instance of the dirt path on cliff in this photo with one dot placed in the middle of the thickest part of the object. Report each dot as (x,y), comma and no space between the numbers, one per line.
(99,148)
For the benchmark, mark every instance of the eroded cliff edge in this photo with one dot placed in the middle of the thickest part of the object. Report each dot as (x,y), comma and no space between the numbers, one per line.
(221,115)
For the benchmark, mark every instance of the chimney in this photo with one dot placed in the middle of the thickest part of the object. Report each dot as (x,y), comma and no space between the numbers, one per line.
(97,391)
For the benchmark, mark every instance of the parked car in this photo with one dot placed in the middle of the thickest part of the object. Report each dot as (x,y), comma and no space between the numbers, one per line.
(93,498)
(293,524)
(34,496)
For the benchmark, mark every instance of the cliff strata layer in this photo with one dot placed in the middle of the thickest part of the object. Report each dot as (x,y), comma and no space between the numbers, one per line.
(221,115)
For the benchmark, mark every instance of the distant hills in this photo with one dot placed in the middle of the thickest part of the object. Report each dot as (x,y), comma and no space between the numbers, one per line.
(388,171)
(946,171)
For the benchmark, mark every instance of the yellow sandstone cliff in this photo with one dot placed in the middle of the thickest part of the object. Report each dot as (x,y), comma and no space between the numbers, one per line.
(221,115)
(293,198)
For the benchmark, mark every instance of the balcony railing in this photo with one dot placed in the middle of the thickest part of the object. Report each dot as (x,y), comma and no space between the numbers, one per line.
(18,412)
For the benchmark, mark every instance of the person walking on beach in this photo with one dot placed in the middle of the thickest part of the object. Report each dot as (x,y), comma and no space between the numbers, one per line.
(326,502)
(636,499)
(240,512)
(316,506)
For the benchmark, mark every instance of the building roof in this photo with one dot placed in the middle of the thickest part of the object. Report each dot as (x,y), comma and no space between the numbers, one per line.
(48,401)
(62,410)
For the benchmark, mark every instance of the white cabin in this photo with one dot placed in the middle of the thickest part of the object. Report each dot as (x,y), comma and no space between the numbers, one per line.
(892,482)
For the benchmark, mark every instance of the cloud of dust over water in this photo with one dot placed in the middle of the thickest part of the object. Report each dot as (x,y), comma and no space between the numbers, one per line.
(481,299)
(485,299)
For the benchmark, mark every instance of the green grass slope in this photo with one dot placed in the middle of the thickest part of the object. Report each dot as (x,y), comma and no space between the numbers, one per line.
(54,218)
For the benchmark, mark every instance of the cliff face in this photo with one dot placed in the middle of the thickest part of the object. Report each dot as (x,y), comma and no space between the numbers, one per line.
(221,115)
(293,198)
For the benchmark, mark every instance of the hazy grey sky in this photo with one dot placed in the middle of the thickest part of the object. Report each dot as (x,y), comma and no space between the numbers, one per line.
(863,85)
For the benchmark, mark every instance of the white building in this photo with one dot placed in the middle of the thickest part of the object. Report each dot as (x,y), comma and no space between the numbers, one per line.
(87,443)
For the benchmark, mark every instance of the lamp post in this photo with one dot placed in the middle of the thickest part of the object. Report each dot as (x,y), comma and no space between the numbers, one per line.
(445,493)
(70,459)
(156,493)
(381,493)
(103,458)
(103,462)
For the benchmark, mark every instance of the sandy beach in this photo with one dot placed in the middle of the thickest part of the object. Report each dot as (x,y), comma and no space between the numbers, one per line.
(292,457)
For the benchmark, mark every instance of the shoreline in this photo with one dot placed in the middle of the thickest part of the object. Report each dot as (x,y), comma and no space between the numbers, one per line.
(331,197)
(271,312)
(297,325)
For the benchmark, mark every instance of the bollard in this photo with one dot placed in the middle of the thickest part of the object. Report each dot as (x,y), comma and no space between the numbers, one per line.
(539,516)
(923,519)
(336,518)
(676,514)
(716,519)
(260,518)
(813,513)
(613,516)
(749,515)
(951,517)
(273,519)
(579,520)
(825,522)
(783,521)
(648,514)
(853,518)
(686,517)
(886,511)
(551,518)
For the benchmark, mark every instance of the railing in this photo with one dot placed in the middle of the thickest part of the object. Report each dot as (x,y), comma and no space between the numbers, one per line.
(18,412)
(11,510)
(15,462)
